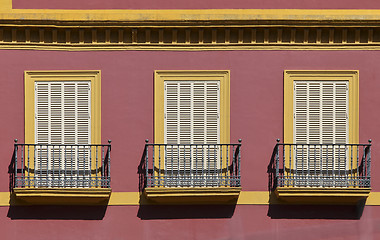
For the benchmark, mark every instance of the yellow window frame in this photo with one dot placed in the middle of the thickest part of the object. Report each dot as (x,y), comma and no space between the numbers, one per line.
(49,76)
(30,77)
(223,76)
(352,76)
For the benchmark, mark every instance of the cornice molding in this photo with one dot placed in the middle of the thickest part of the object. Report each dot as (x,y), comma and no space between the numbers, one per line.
(193,37)
(210,29)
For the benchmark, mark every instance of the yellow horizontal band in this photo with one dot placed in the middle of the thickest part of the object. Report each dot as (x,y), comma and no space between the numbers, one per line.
(245,198)
(189,15)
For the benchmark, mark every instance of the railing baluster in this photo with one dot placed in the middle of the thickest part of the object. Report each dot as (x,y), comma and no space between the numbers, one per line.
(28,166)
(96,167)
(59,166)
(16,177)
(283,166)
(178,159)
(308,165)
(197,166)
(65,178)
(277,164)
(364,167)
(53,175)
(228,174)
(239,164)
(90,166)
(368,164)
(190,178)
(166,166)
(296,165)
(220,173)
(22,178)
(103,169)
(154,166)
(290,165)
(159,165)
(357,164)
(351,164)
(146,162)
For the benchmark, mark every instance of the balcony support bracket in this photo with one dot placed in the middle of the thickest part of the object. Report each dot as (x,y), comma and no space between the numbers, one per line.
(193,195)
(62,196)
(333,196)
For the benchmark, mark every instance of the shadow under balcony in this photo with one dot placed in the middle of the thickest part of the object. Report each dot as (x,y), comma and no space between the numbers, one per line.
(192,173)
(61,174)
(321,173)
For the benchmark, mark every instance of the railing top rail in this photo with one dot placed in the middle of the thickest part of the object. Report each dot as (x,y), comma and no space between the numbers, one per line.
(193,144)
(63,145)
(324,144)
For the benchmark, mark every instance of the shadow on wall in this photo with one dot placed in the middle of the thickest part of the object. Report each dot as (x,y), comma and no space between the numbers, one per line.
(147,212)
(282,211)
(57,212)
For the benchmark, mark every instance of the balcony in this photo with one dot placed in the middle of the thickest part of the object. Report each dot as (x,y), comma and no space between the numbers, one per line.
(62,174)
(317,173)
(192,173)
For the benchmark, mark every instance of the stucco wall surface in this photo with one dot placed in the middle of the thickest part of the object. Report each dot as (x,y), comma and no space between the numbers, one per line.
(127,100)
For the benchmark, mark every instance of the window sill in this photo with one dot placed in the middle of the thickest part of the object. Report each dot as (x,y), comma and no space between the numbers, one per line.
(193,195)
(62,196)
(307,195)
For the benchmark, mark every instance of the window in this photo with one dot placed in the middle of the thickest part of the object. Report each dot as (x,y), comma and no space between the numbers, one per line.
(320,126)
(62,130)
(192,130)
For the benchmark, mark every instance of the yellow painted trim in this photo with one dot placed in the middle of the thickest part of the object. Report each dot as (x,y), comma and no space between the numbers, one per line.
(352,76)
(360,15)
(190,47)
(5,5)
(65,75)
(202,75)
(134,199)
(196,195)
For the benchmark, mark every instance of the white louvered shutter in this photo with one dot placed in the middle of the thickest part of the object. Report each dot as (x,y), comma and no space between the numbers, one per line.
(320,117)
(62,116)
(192,117)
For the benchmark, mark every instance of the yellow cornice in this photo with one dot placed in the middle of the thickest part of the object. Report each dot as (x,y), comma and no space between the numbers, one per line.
(207,15)
(189,30)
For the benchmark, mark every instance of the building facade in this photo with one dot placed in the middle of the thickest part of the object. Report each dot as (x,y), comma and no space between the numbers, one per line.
(226,120)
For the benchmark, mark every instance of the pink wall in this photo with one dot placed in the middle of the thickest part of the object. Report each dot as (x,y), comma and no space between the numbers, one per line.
(127,119)
(196,4)
(127,100)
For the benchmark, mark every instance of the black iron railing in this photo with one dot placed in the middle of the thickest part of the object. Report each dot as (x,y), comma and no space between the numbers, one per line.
(192,165)
(62,165)
(322,165)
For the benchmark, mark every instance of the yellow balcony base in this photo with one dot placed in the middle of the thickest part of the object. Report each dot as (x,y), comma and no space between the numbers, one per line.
(308,195)
(62,196)
(193,195)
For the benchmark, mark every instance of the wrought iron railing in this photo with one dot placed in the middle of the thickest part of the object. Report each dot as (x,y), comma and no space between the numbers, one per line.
(192,165)
(62,165)
(322,165)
